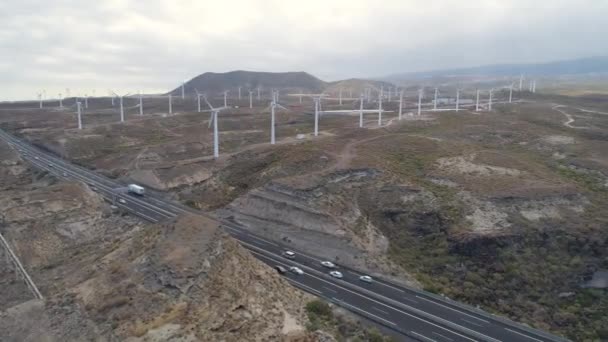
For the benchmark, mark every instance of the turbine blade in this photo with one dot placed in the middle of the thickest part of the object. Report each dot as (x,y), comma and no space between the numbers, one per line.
(211,118)
(208,104)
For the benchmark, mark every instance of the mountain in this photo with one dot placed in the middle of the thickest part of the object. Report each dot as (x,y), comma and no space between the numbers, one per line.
(357,85)
(215,83)
(567,67)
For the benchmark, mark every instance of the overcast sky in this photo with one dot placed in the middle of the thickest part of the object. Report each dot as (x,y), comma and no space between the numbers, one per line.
(152,45)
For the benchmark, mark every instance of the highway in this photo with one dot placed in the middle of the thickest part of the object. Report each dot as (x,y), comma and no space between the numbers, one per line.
(409,313)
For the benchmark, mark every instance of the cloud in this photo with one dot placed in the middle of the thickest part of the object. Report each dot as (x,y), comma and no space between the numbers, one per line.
(155,44)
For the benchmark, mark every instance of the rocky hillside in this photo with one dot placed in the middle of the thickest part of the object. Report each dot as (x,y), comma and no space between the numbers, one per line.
(357,86)
(215,83)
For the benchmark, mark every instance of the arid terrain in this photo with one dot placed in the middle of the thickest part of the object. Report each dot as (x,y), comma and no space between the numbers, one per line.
(505,210)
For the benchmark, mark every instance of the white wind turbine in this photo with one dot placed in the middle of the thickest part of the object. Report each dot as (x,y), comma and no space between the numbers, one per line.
(435,105)
(457,99)
(86,101)
(258,89)
(79,108)
(400,104)
(183,90)
(490,100)
(122,110)
(213,119)
(60,101)
(240,93)
(225,98)
(40,99)
(420,93)
(477,102)
(141,104)
(521,81)
(170,104)
(317,105)
(511,93)
(380,109)
(273,106)
(250,99)
(198,100)
(340,96)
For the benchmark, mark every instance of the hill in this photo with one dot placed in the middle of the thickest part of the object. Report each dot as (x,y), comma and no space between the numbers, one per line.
(356,84)
(211,82)
(567,67)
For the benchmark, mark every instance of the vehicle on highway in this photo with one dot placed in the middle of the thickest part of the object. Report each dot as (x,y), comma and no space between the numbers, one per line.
(280,269)
(336,274)
(50,164)
(93,188)
(289,254)
(120,200)
(136,189)
(328,264)
(36,158)
(65,174)
(296,270)
(113,207)
(366,278)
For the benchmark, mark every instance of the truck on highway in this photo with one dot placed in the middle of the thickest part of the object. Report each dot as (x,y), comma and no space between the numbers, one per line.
(136,189)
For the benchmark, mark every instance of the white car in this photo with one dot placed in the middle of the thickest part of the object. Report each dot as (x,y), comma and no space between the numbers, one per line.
(296,270)
(366,279)
(65,174)
(120,200)
(328,264)
(336,274)
(36,158)
(289,254)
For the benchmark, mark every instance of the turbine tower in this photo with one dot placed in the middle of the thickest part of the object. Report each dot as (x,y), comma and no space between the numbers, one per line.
(361,110)
(258,93)
(400,104)
(477,102)
(40,99)
(122,110)
(78,106)
(60,101)
(86,101)
(380,110)
(273,106)
(317,105)
(225,98)
(457,100)
(521,81)
(511,93)
(213,119)
(183,90)
(170,104)
(435,105)
(250,99)
(490,101)
(340,96)
(141,104)
(240,93)
(198,100)
(420,91)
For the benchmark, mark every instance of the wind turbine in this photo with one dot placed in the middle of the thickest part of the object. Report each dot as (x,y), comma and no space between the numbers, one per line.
(272,106)
(340,96)
(239,93)
(380,110)
(511,93)
(250,99)
(225,98)
(477,103)
(435,105)
(317,104)
(122,111)
(170,104)
(213,119)
(534,87)
(390,90)
(78,106)
(521,81)
(86,101)
(183,90)
(198,100)
(60,101)
(258,93)
(457,99)
(400,104)
(141,104)
(40,99)
(420,91)
(490,100)
(361,110)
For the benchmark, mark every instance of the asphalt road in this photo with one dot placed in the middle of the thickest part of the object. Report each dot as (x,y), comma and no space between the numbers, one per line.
(404,312)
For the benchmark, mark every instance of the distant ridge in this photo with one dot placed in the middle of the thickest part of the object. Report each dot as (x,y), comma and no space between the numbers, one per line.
(566,67)
(216,83)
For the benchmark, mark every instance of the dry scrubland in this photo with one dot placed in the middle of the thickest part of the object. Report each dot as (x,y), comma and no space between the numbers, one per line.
(506,210)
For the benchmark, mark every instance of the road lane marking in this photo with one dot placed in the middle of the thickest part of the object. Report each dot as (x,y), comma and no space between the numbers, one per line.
(423,337)
(410,300)
(398,310)
(304,286)
(447,307)
(384,312)
(473,323)
(524,335)
(328,289)
(145,216)
(369,313)
(438,334)
(264,240)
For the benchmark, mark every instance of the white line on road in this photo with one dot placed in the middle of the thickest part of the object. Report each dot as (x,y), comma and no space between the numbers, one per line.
(304,286)
(329,289)
(422,336)
(410,300)
(438,334)
(264,240)
(384,312)
(447,307)
(369,313)
(145,216)
(473,323)
(524,335)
